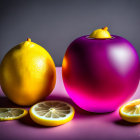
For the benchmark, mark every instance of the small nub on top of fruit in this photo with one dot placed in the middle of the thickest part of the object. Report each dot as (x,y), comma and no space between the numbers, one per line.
(105,28)
(29,39)
(102,33)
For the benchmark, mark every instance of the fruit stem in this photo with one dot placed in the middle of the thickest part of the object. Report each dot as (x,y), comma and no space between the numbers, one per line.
(29,39)
(105,28)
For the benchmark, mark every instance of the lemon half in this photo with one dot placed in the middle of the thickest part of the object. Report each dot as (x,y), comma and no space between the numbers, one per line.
(12,113)
(131,111)
(52,113)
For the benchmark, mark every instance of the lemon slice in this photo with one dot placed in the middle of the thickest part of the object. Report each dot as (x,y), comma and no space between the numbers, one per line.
(131,111)
(52,113)
(12,113)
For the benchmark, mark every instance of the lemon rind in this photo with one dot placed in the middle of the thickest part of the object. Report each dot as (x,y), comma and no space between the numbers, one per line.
(134,118)
(14,118)
(51,121)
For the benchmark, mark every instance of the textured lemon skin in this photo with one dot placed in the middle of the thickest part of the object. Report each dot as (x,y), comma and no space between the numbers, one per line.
(129,118)
(27,73)
(15,118)
(45,122)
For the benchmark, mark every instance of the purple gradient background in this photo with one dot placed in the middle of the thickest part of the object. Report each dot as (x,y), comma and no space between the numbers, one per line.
(85,125)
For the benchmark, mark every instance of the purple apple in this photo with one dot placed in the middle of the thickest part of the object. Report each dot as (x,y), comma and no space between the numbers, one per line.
(100,71)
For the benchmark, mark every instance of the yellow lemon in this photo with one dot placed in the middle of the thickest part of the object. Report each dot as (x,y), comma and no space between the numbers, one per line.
(131,111)
(27,73)
(100,33)
(52,113)
(12,113)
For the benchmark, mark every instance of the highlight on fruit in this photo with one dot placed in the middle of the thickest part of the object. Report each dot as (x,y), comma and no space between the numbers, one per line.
(100,71)
(27,73)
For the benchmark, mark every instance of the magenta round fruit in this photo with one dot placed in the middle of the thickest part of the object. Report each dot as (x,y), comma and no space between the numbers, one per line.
(100,71)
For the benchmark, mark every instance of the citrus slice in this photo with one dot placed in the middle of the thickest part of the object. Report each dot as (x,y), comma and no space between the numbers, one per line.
(52,113)
(131,111)
(12,113)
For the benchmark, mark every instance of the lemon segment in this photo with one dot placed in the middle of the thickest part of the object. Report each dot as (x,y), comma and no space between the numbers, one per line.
(52,113)
(131,111)
(12,113)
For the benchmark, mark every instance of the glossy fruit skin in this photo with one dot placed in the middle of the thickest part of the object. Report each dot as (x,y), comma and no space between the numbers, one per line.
(100,74)
(27,74)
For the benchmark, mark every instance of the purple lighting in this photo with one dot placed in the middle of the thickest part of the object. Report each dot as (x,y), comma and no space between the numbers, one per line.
(100,74)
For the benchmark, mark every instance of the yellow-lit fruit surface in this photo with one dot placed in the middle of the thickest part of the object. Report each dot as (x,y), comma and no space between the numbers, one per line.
(27,73)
